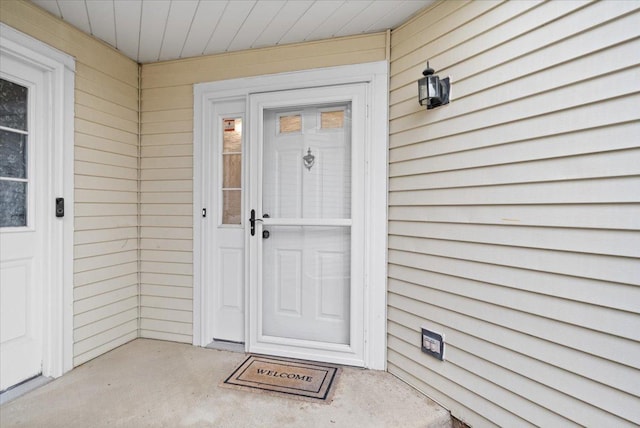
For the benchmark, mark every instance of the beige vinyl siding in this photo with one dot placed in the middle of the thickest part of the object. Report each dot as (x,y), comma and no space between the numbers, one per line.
(167,161)
(514,212)
(105,305)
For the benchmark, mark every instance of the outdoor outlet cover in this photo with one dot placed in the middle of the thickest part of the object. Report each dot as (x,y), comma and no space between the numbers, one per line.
(433,343)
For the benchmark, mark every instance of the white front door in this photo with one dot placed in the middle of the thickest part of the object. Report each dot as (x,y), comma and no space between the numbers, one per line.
(306,262)
(22,225)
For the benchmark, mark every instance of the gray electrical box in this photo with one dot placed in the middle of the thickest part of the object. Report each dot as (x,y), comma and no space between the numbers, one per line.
(433,343)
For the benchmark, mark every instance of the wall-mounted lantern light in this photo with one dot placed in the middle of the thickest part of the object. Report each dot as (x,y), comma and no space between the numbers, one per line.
(433,92)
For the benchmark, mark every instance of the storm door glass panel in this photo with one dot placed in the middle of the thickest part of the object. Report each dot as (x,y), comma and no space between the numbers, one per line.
(306,201)
(13,154)
(232,171)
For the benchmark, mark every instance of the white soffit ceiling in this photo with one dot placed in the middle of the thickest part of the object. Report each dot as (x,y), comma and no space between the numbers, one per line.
(158,30)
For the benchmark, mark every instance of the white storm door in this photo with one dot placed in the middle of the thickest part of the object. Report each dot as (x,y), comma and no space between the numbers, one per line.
(308,254)
(21,222)
(227,239)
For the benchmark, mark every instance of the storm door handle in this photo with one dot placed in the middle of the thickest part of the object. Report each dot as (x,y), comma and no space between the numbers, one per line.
(252,222)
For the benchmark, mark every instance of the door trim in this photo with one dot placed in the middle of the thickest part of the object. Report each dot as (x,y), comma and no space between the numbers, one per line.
(59,69)
(375,75)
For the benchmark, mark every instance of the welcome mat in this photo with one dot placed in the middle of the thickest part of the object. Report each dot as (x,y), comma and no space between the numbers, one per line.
(293,378)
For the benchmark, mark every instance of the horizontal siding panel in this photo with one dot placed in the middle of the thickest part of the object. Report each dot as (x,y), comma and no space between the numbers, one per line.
(122,95)
(97,288)
(94,249)
(166,174)
(486,360)
(185,114)
(167,315)
(621,163)
(167,139)
(562,40)
(411,35)
(610,190)
(615,349)
(112,334)
(166,256)
(532,413)
(105,145)
(167,233)
(104,260)
(166,244)
(174,97)
(105,311)
(173,126)
(424,157)
(166,291)
(600,293)
(604,268)
(109,235)
(167,151)
(622,324)
(607,242)
(100,170)
(104,325)
(292,57)
(166,303)
(594,216)
(163,209)
(163,197)
(104,299)
(545,100)
(556,355)
(167,162)
(164,267)
(106,196)
(514,211)
(98,210)
(105,273)
(166,186)
(165,279)
(589,65)
(561,368)
(105,183)
(465,384)
(98,130)
(97,116)
(166,326)
(79,359)
(494,23)
(162,335)
(99,104)
(402,368)
(166,221)
(540,415)
(527,113)
(105,158)
(106,222)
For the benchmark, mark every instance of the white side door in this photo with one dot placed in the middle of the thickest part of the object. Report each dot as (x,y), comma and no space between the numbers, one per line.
(306,258)
(226,222)
(22,221)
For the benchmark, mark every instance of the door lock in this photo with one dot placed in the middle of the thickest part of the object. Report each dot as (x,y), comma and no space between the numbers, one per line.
(265,234)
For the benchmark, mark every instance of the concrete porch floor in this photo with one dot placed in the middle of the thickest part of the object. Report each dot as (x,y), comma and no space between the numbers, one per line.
(164,384)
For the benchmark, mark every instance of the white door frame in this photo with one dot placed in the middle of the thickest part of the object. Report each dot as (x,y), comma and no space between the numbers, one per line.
(59,70)
(375,75)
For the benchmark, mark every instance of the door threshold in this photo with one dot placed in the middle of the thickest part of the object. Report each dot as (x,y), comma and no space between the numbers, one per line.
(23,388)
(224,345)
